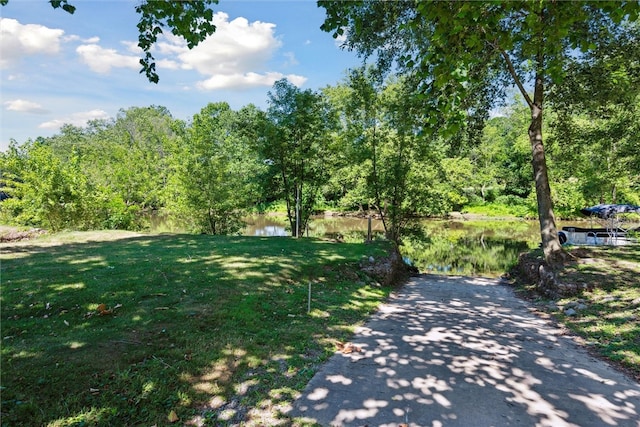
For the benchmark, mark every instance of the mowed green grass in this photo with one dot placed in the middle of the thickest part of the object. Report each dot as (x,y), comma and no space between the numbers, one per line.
(611,320)
(213,330)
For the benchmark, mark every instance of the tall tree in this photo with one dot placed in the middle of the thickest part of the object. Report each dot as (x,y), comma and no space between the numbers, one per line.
(362,120)
(402,147)
(212,183)
(454,45)
(296,145)
(383,161)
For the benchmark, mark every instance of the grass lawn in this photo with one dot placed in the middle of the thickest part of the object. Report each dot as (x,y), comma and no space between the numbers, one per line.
(607,314)
(111,328)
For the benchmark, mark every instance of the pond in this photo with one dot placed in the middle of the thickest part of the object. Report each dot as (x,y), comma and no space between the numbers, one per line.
(457,246)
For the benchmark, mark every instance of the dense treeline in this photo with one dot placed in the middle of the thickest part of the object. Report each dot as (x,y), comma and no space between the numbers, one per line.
(360,145)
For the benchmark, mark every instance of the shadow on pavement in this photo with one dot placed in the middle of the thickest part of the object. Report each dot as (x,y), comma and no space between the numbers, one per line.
(453,351)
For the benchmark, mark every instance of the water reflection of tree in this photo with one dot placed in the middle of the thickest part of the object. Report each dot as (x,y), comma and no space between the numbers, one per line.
(459,251)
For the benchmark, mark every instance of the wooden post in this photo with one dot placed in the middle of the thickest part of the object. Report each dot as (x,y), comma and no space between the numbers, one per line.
(369,229)
(297,233)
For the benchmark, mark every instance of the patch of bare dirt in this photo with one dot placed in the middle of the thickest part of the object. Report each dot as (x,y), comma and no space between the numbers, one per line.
(10,234)
(388,270)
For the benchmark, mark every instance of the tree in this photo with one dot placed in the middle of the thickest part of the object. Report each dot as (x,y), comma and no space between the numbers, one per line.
(505,150)
(402,148)
(127,156)
(213,167)
(45,191)
(295,144)
(115,170)
(191,20)
(454,45)
(596,128)
(383,161)
(360,113)
(139,139)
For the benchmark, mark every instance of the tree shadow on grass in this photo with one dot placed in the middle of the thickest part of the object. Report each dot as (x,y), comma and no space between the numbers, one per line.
(214,329)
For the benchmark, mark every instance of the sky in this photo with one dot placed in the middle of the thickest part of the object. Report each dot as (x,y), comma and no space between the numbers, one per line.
(57,68)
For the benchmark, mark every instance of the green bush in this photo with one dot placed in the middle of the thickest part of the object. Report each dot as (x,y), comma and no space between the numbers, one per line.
(567,199)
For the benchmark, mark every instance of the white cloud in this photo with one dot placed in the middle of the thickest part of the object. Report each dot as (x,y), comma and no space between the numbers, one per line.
(342,39)
(101,60)
(18,40)
(75,119)
(236,47)
(168,64)
(236,56)
(247,80)
(295,79)
(172,45)
(291,59)
(24,106)
(75,38)
(132,47)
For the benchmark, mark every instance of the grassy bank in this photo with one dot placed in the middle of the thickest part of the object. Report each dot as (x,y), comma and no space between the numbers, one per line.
(606,316)
(123,329)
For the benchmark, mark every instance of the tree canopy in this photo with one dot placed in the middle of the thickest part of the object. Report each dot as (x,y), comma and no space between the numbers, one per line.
(458,48)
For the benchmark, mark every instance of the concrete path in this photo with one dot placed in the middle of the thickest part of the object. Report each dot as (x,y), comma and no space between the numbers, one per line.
(451,351)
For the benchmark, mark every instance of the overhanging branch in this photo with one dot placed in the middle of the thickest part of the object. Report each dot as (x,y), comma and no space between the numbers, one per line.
(512,71)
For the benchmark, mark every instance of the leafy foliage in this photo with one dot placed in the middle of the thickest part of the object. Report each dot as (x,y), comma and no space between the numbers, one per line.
(595,127)
(213,168)
(191,20)
(457,48)
(361,145)
(295,144)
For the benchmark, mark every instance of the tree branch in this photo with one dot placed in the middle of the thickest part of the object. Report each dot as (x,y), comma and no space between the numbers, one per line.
(511,68)
(512,71)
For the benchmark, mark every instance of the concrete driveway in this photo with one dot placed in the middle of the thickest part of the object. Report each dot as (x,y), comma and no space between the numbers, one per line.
(456,351)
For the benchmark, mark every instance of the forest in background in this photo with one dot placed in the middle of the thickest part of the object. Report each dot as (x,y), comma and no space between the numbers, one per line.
(363,144)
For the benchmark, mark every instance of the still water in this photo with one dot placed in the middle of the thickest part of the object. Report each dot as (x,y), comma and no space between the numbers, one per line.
(469,247)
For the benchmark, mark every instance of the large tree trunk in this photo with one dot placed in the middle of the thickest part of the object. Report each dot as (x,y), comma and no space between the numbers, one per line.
(553,253)
(551,247)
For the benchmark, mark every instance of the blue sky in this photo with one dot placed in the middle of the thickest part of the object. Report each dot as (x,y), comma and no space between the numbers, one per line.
(58,68)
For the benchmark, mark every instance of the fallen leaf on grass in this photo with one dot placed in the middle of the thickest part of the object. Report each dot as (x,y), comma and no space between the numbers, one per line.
(348,347)
(103,310)
(172,417)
